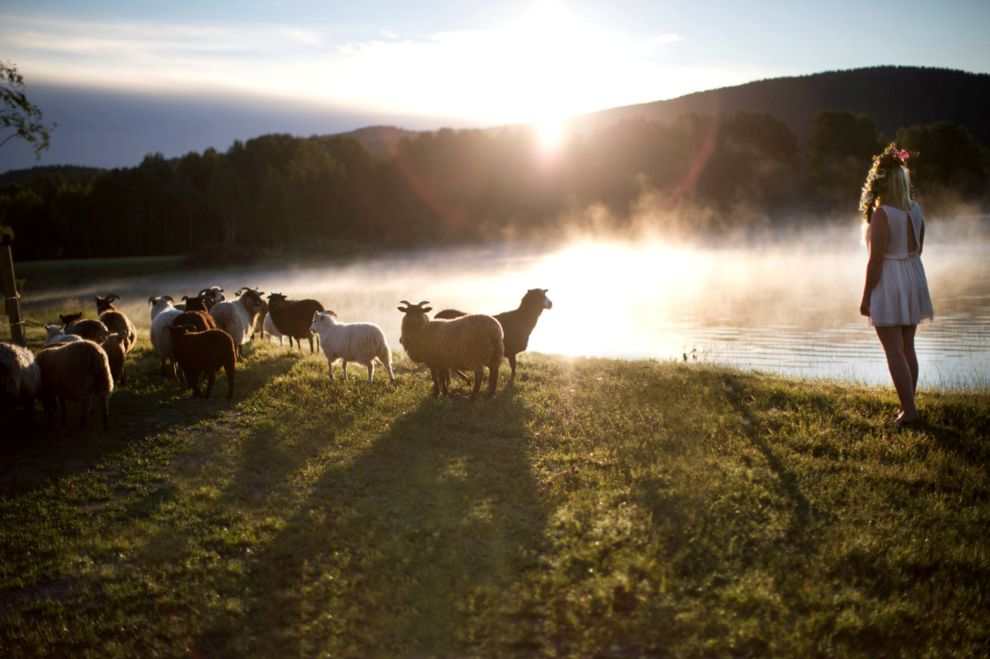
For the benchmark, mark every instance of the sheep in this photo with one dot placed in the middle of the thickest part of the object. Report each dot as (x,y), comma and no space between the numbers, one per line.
(199,320)
(352,342)
(293,318)
(271,330)
(517,324)
(91,330)
(261,323)
(114,346)
(55,334)
(163,312)
(204,352)
(468,343)
(237,318)
(212,295)
(115,320)
(75,371)
(20,379)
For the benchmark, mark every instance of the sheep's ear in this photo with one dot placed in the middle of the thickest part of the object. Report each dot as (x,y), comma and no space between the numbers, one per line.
(98,299)
(403,309)
(546,290)
(427,309)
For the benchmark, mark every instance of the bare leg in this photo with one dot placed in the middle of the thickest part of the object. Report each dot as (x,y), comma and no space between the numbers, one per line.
(907,335)
(900,372)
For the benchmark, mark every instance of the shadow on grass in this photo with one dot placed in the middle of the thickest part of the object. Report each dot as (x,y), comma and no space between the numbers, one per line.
(148,406)
(404,547)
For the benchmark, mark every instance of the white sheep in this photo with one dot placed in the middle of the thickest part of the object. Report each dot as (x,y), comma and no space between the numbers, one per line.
(237,318)
(163,312)
(352,342)
(56,334)
(271,330)
(20,378)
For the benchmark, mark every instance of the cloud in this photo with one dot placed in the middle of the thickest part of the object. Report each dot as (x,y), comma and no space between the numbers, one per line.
(549,64)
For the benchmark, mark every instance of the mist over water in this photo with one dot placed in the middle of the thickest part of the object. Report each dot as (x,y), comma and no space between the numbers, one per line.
(789,306)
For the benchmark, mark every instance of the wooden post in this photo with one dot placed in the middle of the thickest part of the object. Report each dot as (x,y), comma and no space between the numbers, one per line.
(10,295)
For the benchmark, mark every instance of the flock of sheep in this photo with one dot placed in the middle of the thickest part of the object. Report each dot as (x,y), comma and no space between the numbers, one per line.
(82,359)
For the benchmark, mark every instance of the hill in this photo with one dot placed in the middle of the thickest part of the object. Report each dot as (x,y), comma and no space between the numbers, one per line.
(894,96)
(71,173)
(380,141)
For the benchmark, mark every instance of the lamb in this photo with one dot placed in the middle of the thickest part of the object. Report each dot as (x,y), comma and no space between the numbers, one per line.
(115,320)
(163,312)
(352,342)
(55,334)
(237,318)
(468,343)
(204,352)
(20,378)
(293,318)
(76,371)
(114,346)
(517,324)
(91,330)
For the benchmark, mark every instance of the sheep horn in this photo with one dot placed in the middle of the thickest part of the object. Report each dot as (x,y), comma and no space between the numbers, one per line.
(405,302)
(169,298)
(422,303)
(185,297)
(113,296)
(242,289)
(151,300)
(204,292)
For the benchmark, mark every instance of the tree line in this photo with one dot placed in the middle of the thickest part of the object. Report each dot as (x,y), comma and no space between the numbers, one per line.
(285,193)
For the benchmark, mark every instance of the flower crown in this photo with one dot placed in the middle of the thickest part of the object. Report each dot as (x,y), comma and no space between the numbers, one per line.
(886,162)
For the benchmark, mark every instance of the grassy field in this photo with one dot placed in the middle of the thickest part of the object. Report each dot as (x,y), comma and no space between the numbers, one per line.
(600,509)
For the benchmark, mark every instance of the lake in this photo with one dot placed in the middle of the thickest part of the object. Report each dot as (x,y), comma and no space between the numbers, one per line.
(788,306)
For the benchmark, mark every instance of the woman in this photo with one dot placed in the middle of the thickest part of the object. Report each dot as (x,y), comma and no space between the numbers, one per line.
(896,295)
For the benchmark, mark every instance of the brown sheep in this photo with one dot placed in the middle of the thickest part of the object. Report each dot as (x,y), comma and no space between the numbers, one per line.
(113,345)
(91,330)
(75,371)
(116,321)
(204,352)
(470,343)
(200,320)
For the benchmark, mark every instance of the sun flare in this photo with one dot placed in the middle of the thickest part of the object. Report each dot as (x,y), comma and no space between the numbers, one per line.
(550,133)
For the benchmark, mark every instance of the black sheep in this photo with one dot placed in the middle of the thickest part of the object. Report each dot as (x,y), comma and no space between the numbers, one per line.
(517,324)
(293,318)
(204,352)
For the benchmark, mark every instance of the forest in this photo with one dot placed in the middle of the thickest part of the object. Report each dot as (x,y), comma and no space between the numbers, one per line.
(699,173)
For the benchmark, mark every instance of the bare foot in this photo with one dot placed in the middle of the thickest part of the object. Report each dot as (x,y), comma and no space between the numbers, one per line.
(904,420)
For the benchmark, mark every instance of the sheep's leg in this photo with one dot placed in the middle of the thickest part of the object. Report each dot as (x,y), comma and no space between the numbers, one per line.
(105,402)
(330,359)
(193,378)
(512,365)
(493,377)
(446,381)
(290,341)
(436,381)
(211,377)
(123,374)
(229,370)
(164,372)
(65,416)
(371,371)
(86,403)
(387,361)
(478,376)
(344,364)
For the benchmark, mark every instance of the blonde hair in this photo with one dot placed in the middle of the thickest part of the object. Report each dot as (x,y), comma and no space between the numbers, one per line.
(897,191)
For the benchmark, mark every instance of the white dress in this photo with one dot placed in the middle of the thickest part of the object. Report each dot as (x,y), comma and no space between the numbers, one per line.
(901,295)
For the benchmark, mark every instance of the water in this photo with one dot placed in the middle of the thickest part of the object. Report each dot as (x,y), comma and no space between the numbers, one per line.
(787,307)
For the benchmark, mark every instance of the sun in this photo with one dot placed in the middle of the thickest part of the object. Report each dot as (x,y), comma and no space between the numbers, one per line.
(550,134)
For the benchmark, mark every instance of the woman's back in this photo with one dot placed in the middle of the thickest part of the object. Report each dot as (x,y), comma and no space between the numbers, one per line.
(903,231)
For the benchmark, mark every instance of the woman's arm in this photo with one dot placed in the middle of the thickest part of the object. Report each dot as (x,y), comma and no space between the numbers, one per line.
(878,247)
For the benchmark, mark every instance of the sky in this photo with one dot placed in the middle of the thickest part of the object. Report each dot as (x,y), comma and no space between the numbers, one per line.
(126,78)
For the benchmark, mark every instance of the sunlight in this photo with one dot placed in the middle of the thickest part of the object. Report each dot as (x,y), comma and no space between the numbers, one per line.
(550,133)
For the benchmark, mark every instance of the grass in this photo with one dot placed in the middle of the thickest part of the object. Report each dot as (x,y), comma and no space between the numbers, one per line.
(600,509)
